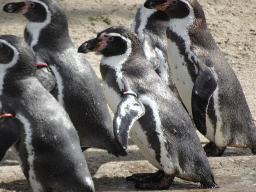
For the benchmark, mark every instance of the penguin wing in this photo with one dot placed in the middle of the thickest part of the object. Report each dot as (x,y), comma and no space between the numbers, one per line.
(128,111)
(205,85)
(46,78)
(9,134)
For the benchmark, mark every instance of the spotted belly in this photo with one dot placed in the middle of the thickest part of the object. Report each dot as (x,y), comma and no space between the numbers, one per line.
(184,84)
(180,73)
(138,136)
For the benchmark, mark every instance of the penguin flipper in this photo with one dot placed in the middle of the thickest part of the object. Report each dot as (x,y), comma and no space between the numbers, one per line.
(9,134)
(203,89)
(128,111)
(46,78)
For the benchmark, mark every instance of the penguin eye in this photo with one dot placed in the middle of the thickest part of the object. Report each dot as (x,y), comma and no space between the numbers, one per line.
(174,2)
(32,5)
(111,38)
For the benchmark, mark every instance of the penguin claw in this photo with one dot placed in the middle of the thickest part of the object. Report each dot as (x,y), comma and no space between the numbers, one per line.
(212,150)
(210,186)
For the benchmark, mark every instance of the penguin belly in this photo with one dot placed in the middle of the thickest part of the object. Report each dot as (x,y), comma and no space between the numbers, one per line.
(139,137)
(181,76)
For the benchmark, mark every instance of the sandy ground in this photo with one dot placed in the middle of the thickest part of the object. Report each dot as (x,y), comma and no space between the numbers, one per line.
(232,23)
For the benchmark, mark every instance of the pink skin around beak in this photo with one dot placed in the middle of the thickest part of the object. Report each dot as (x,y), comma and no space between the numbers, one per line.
(165,5)
(26,8)
(104,42)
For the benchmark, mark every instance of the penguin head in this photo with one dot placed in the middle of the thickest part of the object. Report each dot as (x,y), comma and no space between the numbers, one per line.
(173,8)
(39,11)
(113,41)
(16,58)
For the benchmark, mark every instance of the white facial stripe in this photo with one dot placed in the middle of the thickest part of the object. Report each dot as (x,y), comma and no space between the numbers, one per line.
(4,67)
(34,28)
(36,186)
(116,62)
(60,85)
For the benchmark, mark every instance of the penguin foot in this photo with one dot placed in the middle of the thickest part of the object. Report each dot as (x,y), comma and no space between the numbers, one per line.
(164,183)
(212,150)
(211,185)
(208,182)
(146,177)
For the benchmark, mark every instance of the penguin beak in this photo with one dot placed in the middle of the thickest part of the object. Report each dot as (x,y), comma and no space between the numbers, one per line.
(161,5)
(153,4)
(21,7)
(89,46)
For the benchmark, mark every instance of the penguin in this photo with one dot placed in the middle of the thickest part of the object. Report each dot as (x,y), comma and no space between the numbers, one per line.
(150,25)
(205,81)
(78,88)
(148,111)
(36,126)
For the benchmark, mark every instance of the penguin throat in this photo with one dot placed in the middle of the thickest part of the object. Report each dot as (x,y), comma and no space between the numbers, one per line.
(34,28)
(181,28)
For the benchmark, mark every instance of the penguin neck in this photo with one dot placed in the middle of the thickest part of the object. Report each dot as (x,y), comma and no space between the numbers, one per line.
(181,28)
(116,63)
(52,30)
(34,28)
(144,16)
(16,87)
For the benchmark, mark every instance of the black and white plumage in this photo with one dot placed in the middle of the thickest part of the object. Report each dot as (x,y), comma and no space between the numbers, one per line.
(150,25)
(205,81)
(40,130)
(145,107)
(78,88)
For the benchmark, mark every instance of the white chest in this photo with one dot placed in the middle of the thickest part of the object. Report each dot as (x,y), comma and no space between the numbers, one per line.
(180,73)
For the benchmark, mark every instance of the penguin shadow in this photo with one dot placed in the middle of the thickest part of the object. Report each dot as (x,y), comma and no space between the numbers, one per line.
(232,151)
(96,157)
(121,184)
